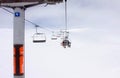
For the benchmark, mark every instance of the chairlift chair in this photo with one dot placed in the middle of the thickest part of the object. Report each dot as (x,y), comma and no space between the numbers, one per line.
(53,37)
(59,34)
(39,38)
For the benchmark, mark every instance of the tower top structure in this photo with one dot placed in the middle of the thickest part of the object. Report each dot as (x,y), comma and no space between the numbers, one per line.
(26,3)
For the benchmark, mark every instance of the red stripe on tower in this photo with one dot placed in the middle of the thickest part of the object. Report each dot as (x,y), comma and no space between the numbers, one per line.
(18,59)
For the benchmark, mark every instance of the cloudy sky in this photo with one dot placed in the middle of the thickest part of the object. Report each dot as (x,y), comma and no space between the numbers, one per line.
(94,32)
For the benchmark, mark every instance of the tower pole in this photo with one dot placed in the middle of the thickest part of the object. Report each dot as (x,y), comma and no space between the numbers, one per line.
(19,42)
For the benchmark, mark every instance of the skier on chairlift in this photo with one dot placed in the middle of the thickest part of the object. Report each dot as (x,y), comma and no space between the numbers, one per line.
(66,43)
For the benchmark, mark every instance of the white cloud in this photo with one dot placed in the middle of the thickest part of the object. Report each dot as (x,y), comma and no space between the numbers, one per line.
(6,19)
(72,30)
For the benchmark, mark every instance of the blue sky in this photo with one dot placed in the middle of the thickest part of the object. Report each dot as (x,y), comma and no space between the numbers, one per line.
(94,32)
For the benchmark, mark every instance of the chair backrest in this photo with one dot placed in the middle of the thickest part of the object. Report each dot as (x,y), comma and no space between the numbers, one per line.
(39,38)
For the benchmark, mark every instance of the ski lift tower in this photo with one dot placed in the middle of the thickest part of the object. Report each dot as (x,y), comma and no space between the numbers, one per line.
(19,7)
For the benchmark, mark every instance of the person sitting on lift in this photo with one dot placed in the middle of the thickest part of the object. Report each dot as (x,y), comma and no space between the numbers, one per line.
(66,43)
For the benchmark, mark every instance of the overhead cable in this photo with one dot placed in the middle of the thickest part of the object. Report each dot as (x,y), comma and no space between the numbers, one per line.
(66,21)
(28,21)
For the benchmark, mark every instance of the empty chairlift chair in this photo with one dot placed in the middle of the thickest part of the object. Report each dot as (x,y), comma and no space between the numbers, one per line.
(54,37)
(39,38)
